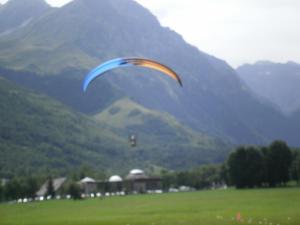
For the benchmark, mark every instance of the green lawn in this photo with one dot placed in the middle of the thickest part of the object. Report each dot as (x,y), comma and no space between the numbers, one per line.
(265,206)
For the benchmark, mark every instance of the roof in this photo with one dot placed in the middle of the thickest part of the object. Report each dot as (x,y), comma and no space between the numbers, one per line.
(57,183)
(136,172)
(139,175)
(115,178)
(87,180)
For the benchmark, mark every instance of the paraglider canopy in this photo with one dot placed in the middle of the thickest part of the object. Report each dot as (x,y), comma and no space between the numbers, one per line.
(125,62)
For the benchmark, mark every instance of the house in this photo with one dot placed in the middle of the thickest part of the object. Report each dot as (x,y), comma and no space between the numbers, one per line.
(135,182)
(115,183)
(88,185)
(138,182)
(57,185)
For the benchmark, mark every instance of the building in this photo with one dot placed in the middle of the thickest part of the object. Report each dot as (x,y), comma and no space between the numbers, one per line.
(138,182)
(57,185)
(88,185)
(115,183)
(135,182)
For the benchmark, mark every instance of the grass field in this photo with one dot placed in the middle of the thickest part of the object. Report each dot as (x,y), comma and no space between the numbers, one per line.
(265,206)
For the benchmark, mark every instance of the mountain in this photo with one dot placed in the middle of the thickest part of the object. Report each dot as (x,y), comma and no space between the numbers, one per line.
(295,118)
(160,137)
(38,133)
(277,82)
(19,13)
(66,42)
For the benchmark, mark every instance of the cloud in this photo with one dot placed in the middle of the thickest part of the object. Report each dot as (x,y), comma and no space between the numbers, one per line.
(234,30)
(238,31)
(51,2)
(58,2)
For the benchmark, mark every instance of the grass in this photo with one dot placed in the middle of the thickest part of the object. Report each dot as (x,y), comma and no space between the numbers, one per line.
(264,206)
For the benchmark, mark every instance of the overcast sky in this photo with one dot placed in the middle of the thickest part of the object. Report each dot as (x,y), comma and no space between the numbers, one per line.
(238,31)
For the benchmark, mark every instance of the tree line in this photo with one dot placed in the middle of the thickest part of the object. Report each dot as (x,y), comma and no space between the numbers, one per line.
(246,167)
(270,166)
(20,187)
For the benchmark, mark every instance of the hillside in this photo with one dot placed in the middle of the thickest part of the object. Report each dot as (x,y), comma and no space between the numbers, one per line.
(68,41)
(38,134)
(126,115)
(160,138)
(277,82)
(18,13)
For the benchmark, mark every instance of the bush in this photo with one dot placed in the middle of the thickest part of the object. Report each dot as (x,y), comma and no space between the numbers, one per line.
(74,191)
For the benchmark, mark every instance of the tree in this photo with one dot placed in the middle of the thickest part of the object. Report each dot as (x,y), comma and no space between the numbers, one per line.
(184,178)
(255,167)
(86,171)
(168,179)
(206,176)
(31,187)
(236,164)
(74,190)
(1,193)
(295,167)
(224,174)
(13,190)
(50,188)
(278,162)
(246,167)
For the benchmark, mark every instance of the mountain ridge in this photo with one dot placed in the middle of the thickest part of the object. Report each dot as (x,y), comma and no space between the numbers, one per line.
(85,33)
(185,146)
(16,13)
(277,82)
(38,134)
